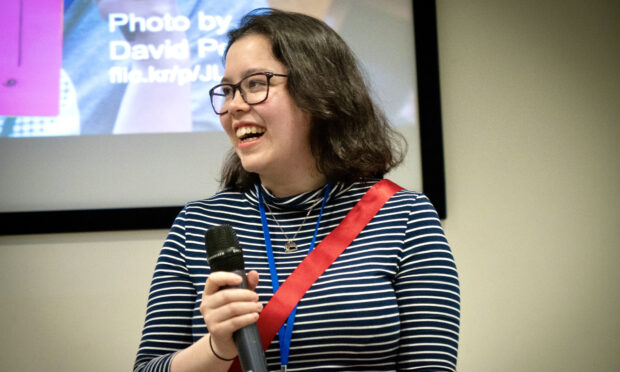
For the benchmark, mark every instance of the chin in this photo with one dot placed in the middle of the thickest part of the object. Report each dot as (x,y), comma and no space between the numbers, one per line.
(250,165)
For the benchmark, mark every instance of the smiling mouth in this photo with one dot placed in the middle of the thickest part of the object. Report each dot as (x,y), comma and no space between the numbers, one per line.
(246,134)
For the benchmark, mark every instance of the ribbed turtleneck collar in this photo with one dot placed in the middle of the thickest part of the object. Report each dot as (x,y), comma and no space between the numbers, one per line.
(301,201)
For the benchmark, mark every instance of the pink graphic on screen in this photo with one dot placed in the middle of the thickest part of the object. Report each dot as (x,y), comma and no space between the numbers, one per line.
(30,57)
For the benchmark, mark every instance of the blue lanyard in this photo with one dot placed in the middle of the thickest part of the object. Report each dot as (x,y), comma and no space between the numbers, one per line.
(286,331)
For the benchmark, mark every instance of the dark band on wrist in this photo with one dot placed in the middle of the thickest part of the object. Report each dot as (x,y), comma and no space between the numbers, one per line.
(214,353)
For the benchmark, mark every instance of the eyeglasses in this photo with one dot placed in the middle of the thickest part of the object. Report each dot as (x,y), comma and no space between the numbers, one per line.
(253,88)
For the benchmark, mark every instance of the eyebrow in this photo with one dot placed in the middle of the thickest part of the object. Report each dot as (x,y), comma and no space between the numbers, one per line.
(245,74)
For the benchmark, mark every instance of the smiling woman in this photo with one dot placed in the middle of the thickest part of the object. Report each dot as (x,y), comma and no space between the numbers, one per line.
(349,137)
(281,156)
(309,151)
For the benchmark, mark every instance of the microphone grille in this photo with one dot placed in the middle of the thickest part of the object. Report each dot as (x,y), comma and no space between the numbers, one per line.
(223,250)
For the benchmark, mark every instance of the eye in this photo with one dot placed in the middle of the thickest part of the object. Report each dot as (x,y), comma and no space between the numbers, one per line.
(255,83)
(226,90)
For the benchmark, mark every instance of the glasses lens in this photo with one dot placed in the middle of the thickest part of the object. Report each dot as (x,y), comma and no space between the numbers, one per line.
(219,96)
(254,88)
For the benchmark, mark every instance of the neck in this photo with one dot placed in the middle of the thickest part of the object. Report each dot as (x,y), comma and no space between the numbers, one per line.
(293,183)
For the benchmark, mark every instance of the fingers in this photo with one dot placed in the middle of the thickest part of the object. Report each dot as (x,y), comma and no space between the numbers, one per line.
(224,321)
(220,279)
(227,310)
(232,299)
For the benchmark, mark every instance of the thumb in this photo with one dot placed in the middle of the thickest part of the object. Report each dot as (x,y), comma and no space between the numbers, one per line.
(252,278)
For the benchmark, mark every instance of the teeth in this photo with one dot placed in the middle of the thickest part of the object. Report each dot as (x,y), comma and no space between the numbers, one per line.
(241,132)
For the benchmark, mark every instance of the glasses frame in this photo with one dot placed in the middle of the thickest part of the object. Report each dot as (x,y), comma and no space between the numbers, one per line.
(237,87)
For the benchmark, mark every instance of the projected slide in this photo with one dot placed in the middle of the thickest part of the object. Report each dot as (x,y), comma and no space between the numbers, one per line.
(134,66)
(133,125)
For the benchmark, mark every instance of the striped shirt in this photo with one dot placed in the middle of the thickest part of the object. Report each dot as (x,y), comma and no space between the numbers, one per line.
(389,302)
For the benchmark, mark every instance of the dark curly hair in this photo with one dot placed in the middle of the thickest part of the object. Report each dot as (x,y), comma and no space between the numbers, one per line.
(350,137)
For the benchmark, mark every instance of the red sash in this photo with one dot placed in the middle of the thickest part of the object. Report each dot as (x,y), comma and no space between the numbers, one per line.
(276,311)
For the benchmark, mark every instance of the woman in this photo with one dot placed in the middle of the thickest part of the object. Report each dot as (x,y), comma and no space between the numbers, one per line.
(308,143)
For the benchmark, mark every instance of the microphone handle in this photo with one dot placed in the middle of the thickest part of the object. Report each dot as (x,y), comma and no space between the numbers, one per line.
(247,339)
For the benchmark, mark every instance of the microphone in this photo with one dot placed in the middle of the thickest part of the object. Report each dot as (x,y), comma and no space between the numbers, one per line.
(224,254)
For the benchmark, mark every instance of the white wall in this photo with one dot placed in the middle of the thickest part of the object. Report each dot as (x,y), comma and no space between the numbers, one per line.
(531,100)
(74,302)
(531,96)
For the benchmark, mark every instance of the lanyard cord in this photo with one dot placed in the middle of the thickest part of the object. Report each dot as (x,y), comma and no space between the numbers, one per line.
(286,331)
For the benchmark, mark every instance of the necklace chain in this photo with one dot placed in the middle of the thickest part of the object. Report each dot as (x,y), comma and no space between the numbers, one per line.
(290,245)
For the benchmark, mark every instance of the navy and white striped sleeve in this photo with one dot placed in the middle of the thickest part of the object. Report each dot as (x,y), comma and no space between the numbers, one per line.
(427,290)
(168,324)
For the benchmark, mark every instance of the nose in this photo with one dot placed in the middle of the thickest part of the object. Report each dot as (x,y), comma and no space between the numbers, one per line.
(237,103)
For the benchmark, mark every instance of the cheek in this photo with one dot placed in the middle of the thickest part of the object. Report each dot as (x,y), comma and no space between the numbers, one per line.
(226,124)
(301,126)
(290,118)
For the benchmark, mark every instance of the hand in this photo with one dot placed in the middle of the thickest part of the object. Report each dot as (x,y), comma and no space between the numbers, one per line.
(225,311)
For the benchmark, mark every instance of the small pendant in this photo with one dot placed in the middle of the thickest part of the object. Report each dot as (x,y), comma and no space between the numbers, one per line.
(283,368)
(290,246)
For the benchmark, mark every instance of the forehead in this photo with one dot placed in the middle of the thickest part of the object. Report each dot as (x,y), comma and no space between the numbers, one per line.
(250,53)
